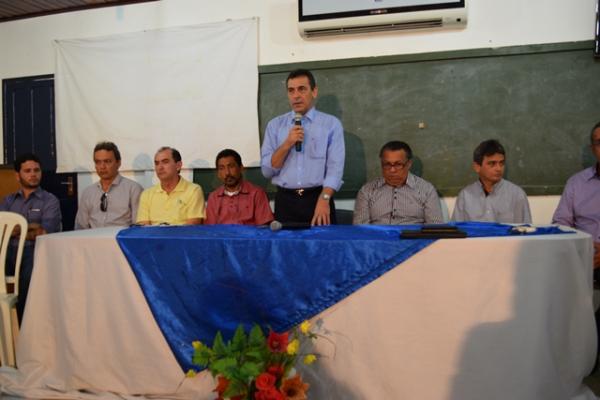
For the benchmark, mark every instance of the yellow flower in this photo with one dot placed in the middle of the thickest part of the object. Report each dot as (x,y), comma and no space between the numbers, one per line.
(191,373)
(196,344)
(293,346)
(305,327)
(309,359)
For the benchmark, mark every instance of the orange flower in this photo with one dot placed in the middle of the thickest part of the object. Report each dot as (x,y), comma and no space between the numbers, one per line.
(277,342)
(222,387)
(294,388)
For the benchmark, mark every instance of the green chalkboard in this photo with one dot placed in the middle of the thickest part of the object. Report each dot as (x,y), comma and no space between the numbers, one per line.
(539,101)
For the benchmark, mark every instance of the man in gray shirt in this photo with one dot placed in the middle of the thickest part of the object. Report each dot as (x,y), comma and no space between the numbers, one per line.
(398,197)
(491,198)
(113,200)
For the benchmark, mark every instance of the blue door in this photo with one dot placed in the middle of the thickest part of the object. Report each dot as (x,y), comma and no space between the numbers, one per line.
(29,128)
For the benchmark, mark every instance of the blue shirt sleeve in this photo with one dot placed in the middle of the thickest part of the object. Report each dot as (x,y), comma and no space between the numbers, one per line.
(51,215)
(336,154)
(5,203)
(564,212)
(269,147)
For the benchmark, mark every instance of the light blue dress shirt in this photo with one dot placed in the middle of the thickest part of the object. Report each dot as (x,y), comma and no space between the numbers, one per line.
(321,161)
(579,205)
(507,204)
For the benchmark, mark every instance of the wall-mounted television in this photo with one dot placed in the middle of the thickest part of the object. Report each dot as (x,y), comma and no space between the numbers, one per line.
(339,17)
(310,10)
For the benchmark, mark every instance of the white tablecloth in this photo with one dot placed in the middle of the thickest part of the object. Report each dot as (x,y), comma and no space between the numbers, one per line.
(492,318)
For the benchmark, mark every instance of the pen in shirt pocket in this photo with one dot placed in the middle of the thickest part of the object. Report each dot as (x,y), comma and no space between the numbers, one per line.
(33,215)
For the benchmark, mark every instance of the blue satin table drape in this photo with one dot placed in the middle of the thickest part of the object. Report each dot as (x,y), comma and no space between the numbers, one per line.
(202,279)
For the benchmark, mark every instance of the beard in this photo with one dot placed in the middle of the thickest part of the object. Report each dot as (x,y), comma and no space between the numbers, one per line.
(29,185)
(231,181)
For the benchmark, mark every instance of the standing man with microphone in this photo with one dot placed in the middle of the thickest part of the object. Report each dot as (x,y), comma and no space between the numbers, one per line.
(303,154)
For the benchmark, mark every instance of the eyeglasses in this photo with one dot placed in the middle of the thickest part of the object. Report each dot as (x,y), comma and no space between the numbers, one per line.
(104,202)
(397,165)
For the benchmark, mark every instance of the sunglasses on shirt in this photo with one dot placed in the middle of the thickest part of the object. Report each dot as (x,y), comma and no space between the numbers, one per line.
(104,202)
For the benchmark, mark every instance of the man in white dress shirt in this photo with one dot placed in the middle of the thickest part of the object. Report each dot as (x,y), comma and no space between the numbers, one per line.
(491,198)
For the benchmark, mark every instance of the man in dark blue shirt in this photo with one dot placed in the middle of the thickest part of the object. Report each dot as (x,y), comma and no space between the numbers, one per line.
(42,212)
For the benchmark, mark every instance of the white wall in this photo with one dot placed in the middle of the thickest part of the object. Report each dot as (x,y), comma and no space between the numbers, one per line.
(25,45)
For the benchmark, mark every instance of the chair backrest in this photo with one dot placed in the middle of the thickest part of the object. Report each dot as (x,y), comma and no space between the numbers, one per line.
(344,217)
(8,221)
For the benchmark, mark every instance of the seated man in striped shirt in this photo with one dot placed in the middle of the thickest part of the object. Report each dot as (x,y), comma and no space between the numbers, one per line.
(398,197)
(491,198)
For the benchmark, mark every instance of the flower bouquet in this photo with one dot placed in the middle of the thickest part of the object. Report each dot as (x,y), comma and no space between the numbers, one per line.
(254,367)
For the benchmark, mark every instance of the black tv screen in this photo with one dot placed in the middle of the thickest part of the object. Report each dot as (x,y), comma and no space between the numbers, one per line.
(310,10)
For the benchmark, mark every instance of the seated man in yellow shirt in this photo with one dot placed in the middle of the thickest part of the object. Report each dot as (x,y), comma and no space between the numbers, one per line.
(174,201)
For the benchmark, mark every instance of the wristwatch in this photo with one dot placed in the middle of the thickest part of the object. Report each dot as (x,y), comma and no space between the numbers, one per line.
(325,196)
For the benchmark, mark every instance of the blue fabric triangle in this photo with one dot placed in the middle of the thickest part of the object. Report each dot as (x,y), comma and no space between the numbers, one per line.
(202,279)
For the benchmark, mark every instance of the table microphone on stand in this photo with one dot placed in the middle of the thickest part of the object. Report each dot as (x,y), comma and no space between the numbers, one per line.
(278,226)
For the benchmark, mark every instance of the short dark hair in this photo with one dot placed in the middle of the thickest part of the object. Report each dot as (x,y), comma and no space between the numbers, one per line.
(229,153)
(487,148)
(396,145)
(108,146)
(302,72)
(174,153)
(24,158)
(593,129)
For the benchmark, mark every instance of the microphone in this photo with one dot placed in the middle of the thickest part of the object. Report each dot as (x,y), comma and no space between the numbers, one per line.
(277,226)
(298,121)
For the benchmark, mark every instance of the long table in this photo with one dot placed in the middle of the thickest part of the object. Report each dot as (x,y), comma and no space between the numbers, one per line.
(493,318)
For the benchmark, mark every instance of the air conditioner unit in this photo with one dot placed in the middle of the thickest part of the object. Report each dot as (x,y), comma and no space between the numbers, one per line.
(340,17)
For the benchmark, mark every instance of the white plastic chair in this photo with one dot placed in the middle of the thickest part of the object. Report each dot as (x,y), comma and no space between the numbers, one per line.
(8,220)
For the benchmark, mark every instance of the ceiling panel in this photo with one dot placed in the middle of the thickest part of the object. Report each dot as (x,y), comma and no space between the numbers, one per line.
(19,9)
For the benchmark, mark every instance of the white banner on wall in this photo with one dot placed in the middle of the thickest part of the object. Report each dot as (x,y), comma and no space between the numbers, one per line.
(194,88)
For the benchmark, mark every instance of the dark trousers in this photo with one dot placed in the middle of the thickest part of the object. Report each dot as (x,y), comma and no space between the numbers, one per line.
(291,206)
(24,274)
(597,318)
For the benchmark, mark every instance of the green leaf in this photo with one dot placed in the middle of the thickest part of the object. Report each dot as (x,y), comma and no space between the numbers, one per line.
(235,388)
(225,366)
(250,370)
(218,346)
(257,337)
(256,354)
(202,357)
(239,339)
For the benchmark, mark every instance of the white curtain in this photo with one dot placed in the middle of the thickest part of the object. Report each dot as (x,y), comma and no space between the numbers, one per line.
(193,88)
